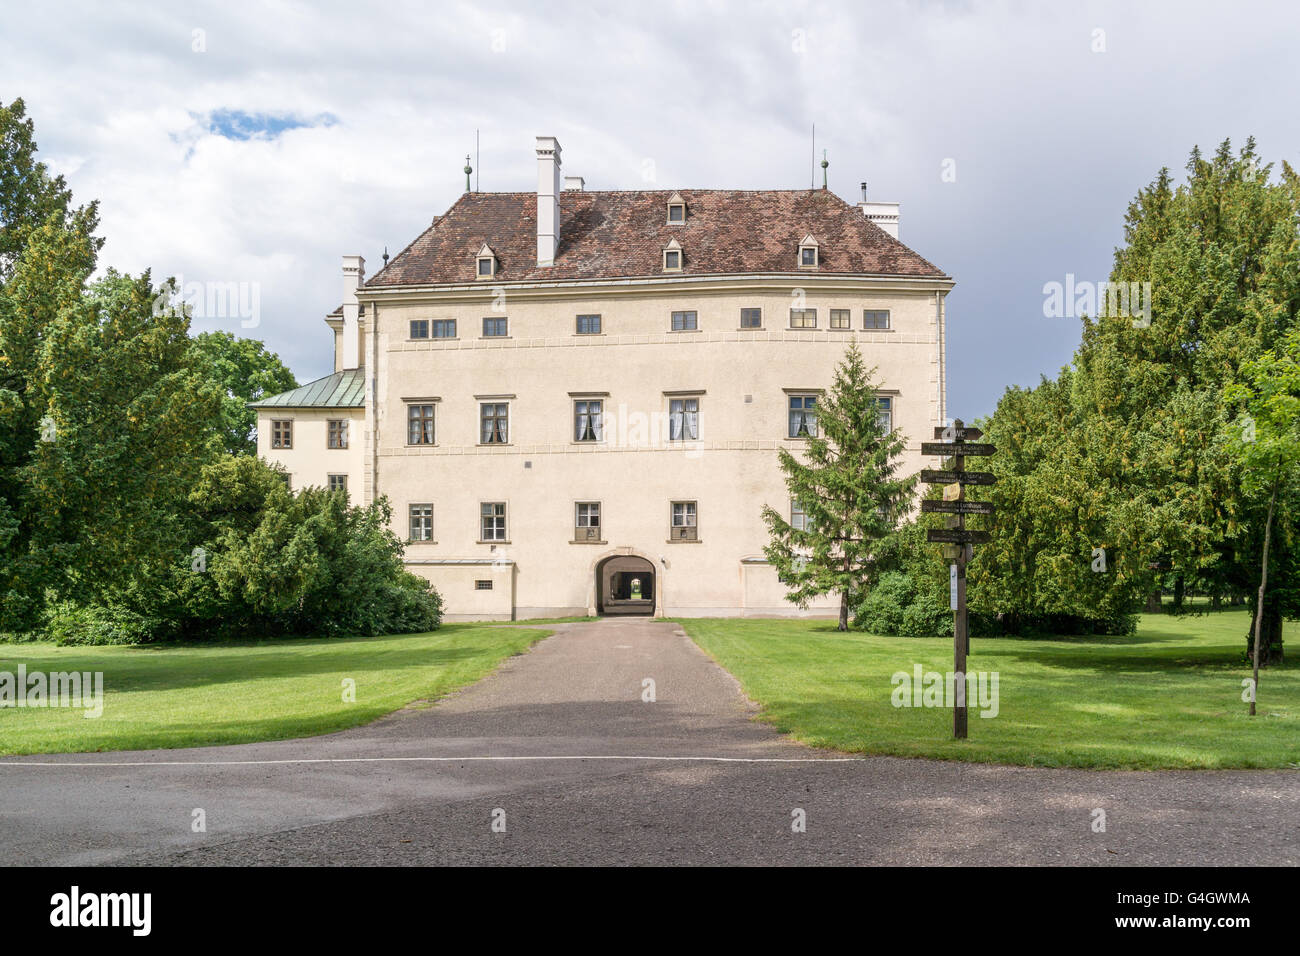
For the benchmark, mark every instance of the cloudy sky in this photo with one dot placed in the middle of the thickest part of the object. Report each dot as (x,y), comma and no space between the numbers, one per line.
(257,143)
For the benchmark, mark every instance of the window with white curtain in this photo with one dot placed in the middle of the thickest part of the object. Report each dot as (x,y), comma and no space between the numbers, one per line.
(684,419)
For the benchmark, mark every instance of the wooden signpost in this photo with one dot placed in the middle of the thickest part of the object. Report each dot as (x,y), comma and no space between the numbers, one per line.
(957,442)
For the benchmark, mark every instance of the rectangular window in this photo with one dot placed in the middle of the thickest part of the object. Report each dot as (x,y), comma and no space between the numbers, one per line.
(684,527)
(485,266)
(803,416)
(803,318)
(751,318)
(337,482)
(586,524)
(683,419)
(685,322)
(494,328)
(841,319)
(483,584)
(492,521)
(588,325)
(672,260)
(282,433)
(493,423)
(676,212)
(798,519)
(419,328)
(337,436)
(587,420)
(875,318)
(422,522)
(807,256)
(885,412)
(419,419)
(444,328)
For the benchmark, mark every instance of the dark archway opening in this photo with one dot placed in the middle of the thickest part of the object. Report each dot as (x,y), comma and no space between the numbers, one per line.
(625,585)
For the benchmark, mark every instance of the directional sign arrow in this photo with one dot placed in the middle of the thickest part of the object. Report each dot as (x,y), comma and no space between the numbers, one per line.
(958,507)
(957,536)
(953,433)
(932,477)
(944,449)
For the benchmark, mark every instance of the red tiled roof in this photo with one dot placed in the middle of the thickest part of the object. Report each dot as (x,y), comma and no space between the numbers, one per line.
(605,235)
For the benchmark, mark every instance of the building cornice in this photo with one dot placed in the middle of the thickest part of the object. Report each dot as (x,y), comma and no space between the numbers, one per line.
(658,286)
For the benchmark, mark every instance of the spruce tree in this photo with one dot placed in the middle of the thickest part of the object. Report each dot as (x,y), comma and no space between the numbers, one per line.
(846,483)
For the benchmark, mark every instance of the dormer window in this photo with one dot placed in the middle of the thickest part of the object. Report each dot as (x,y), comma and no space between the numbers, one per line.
(673,257)
(486,263)
(676,209)
(808,257)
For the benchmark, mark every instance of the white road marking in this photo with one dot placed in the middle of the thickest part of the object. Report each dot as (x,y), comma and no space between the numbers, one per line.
(311,760)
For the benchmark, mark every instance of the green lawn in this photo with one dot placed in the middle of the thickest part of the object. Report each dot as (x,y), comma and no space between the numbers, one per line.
(1168,696)
(241,692)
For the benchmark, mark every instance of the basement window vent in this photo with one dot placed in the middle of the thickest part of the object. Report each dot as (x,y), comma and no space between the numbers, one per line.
(483,584)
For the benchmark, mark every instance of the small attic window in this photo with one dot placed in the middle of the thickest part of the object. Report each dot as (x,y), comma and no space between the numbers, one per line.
(676,208)
(486,260)
(673,257)
(808,255)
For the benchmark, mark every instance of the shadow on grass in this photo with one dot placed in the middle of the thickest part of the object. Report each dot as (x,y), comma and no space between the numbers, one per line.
(153,668)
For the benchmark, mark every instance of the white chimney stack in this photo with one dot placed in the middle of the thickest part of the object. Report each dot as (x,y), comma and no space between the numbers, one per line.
(548,199)
(354,273)
(883,214)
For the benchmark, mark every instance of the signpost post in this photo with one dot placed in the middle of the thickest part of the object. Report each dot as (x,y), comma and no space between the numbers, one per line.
(957,442)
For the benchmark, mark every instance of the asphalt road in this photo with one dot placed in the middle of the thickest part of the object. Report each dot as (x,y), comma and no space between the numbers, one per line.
(560,748)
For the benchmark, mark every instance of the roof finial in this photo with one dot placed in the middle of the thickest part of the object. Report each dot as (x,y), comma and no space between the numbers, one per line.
(385,255)
(468,169)
(824,165)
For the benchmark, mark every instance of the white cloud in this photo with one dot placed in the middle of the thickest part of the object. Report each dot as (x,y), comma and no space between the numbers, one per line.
(1049,139)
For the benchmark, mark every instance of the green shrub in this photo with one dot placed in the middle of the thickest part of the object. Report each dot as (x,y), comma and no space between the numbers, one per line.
(896,608)
(925,618)
(71,623)
(881,612)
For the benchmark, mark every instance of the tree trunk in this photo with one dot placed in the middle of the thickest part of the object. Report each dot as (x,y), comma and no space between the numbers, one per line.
(1270,637)
(1261,610)
(1180,592)
(1153,602)
(844,610)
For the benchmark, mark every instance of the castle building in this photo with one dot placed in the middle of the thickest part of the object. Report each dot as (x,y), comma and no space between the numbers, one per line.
(573,399)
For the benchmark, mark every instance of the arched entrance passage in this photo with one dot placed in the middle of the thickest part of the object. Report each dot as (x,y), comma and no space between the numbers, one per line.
(625,584)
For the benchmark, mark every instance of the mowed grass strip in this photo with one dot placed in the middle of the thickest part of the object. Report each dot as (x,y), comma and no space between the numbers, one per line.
(229,693)
(1168,696)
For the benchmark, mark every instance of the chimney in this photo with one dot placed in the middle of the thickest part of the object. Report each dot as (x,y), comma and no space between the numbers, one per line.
(354,273)
(548,199)
(883,214)
(576,183)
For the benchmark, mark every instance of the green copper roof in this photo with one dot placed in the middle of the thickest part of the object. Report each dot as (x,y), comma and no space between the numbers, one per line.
(346,389)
